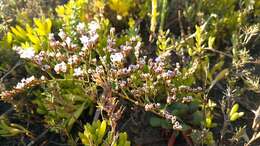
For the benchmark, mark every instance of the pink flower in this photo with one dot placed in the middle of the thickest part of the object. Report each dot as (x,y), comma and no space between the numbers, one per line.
(78,72)
(61,67)
(73,60)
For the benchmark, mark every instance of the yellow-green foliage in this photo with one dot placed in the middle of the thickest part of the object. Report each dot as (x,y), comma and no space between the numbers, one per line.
(8,129)
(154,16)
(73,9)
(231,14)
(233,114)
(32,36)
(7,40)
(85,63)
(122,7)
(94,135)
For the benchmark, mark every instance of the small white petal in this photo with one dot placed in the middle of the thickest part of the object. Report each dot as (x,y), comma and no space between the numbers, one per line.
(117,57)
(93,26)
(27,53)
(62,34)
(61,67)
(78,72)
(84,40)
(81,26)
(68,41)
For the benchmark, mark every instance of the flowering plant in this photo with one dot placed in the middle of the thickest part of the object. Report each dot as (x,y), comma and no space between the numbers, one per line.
(76,64)
(84,68)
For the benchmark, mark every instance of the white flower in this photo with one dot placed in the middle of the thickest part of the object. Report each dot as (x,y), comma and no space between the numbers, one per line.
(88,41)
(157,59)
(39,58)
(28,80)
(51,54)
(61,67)
(62,34)
(117,57)
(20,85)
(112,30)
(68,41)
(27,53)
(58,55)
(158,69)
(24,82)
(93,26)
(84,48)
(16,48)
(94,38)
(84,40)
(81,53)
(43,78)
(73,59)
(126,48)
(73,46)
(78,72)
(81,26)
(51,37)
(138,45)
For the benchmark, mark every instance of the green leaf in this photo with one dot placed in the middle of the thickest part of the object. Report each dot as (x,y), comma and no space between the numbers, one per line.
(219,77)
(43,26)
(208,122)
(122,139)
(101,131)
(211,42)
(158,122)
(29,29)
(235,116)
(197,118)
(9,38)
(19,32)
(75,116)
(155,122)
(34,39)
(60,11)
(198,38)
(216,68)
(234,109)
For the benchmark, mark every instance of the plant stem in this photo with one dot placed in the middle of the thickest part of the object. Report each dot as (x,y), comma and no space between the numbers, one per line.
(153,18)
(10,71)
(163,14)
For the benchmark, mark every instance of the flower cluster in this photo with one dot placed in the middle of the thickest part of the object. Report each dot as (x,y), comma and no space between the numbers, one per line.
(91,37)
(173,119)
(121,70)
(78,72)
(65,54)
(60,68)
(25,83)
(152,106)
(117,57)
(25,53)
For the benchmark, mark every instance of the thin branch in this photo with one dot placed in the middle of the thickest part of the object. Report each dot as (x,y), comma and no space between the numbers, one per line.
(38,138)
(10,71)
(220,52)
